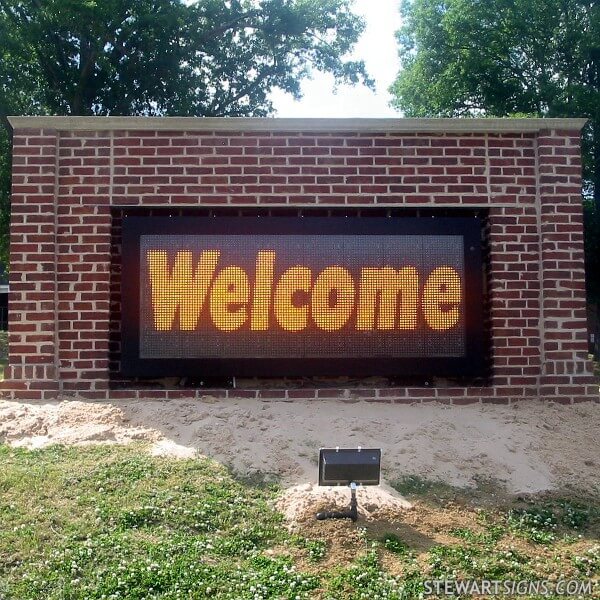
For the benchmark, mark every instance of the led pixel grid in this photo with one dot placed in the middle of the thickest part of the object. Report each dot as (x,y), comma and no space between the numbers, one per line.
(211,297)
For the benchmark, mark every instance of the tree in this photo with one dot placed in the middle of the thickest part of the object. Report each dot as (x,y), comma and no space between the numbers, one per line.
(506,58)
(166,57)
(501,58)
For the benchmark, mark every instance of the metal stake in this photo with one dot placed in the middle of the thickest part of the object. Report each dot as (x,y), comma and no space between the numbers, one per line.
(346,514)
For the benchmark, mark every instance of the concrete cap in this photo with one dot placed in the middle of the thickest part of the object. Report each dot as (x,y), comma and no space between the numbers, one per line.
(266,124)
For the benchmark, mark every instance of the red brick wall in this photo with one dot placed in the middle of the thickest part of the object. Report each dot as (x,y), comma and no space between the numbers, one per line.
(68,185)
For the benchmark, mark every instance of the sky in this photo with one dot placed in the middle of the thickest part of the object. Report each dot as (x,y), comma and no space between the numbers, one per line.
(377,47)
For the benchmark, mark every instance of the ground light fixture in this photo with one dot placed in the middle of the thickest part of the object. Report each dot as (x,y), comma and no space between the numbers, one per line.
(351,467)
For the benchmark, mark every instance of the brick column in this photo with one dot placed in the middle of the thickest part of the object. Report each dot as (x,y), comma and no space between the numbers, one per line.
(514,301)
(83,261)
(566,374)
(32,373)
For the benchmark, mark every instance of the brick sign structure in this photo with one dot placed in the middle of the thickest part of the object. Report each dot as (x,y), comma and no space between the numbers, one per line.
(155,257)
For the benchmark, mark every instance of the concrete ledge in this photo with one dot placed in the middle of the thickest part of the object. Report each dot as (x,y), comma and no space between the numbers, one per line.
(300,125)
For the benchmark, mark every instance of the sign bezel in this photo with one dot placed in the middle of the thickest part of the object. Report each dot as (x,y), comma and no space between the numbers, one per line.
(472,363)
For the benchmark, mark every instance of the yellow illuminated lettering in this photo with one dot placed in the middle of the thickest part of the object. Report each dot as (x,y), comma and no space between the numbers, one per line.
(379,288)
(332,280)
(180,289)
(385,298)
(289,316)
(229,295)
(441,297)
(261,299)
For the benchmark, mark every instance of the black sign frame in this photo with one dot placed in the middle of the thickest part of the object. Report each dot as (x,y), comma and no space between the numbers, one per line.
(472,363)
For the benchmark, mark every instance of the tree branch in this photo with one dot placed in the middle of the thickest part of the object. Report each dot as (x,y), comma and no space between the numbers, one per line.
(57,42)
(84,71)
(217,31)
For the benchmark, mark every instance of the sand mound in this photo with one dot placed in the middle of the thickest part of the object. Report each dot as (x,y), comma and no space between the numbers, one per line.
(69,422)
(528,447)
(300,503)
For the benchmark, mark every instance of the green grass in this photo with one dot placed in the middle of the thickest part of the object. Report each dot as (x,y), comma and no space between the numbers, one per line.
(112,522)
(539,523)
(394,544)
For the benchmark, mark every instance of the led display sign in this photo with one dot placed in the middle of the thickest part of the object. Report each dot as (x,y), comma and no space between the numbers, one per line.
(280,296)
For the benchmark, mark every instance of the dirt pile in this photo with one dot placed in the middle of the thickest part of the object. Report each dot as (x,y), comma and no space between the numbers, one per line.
(527,447)
(37,425)
(300,503)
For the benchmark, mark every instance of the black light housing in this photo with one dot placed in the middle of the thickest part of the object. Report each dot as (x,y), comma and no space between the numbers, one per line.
(343,466)
(348,466)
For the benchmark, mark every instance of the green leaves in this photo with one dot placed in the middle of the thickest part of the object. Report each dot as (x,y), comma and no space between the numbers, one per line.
(499,57)
(165,57)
